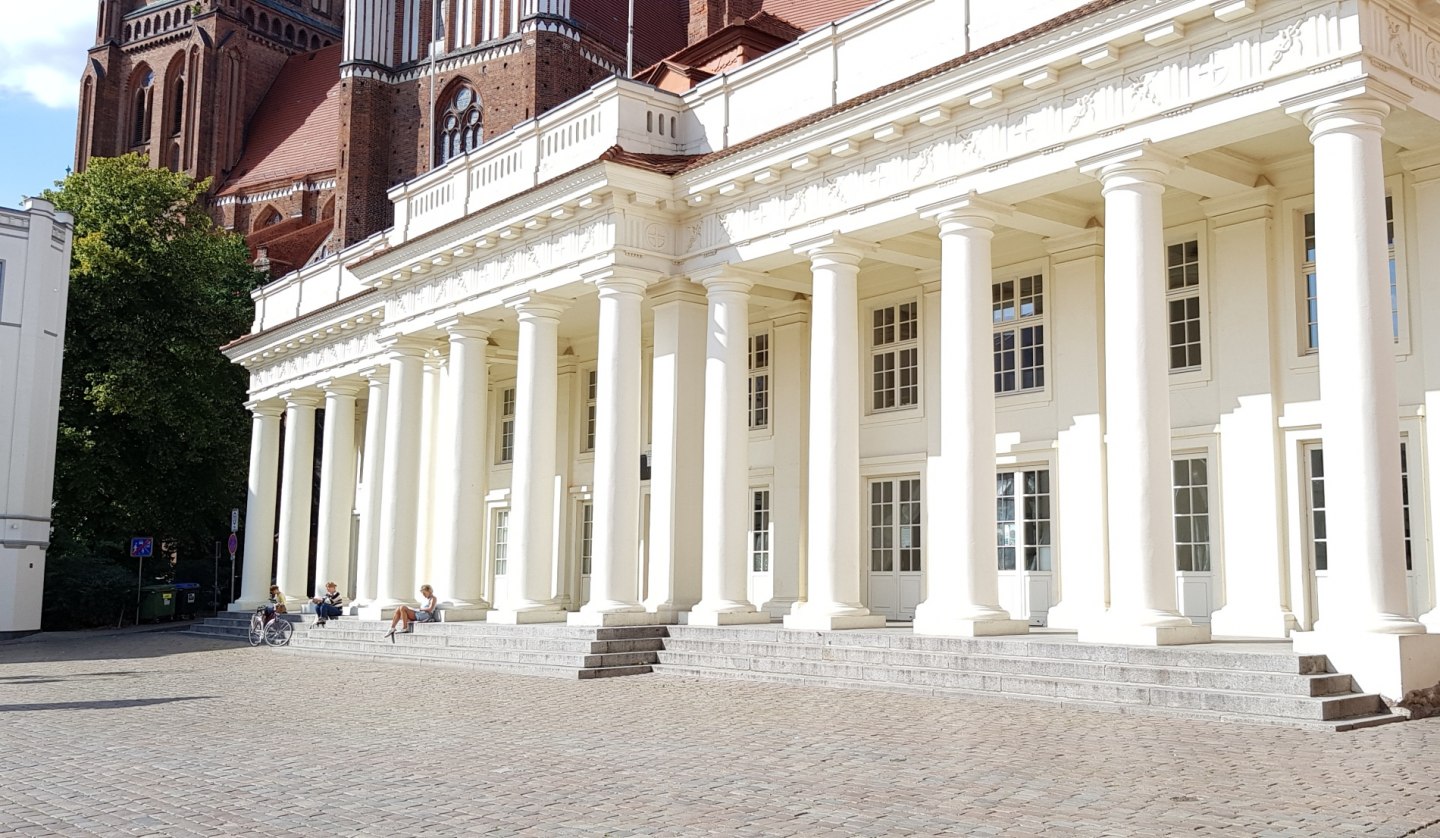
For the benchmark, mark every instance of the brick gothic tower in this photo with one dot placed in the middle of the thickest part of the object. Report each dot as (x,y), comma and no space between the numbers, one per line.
(179,80)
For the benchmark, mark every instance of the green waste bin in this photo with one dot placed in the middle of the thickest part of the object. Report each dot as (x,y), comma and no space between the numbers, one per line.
(187,600)
(157,602)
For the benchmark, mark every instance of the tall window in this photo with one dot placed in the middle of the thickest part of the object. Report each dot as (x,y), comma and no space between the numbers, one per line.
(1316,479)
(760,381)
(895,356)
(457,126)
(1022,519)
(502,540)
(592,388)
(1017,313)
(895,525)
(1405,500)
(142,109)
(587,538)
(760,530)
(1310,277)
(1191,485)
(1182,302)
(177,107)
(507,425)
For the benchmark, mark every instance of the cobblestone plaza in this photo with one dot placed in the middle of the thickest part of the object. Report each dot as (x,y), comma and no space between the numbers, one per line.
(169,734)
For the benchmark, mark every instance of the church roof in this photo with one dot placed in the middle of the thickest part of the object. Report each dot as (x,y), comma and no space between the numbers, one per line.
(809,14)
(659,27)
(294,131)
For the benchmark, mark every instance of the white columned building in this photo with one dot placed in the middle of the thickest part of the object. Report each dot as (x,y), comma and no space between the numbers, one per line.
(297,492)
(337,487)
(1123,327)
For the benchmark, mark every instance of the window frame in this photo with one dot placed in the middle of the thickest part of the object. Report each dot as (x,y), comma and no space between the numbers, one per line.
(1017,471)
(588,415)
(1197,232)
(755,373)
(1014,273)
(505,424)
(915,343)
(757,555)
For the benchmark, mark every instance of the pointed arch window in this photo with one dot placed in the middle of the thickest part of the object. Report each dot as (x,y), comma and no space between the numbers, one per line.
(177,107)
(458,129)
(142,108)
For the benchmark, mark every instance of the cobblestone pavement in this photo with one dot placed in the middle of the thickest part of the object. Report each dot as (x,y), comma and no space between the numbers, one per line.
(168,734)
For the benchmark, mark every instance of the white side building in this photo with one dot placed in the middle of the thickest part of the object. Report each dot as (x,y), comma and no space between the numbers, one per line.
(34,283)
(896,324)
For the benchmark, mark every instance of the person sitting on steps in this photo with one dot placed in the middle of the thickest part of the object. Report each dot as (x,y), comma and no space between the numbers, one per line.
(276,605)
(328,606)
(407,617)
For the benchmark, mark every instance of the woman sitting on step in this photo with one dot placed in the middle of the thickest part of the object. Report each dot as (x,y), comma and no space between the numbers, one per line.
(406,617)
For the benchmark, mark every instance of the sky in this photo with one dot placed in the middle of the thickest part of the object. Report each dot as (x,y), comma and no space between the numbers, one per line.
(42,53)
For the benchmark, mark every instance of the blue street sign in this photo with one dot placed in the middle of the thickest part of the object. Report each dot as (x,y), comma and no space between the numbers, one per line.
(142,548)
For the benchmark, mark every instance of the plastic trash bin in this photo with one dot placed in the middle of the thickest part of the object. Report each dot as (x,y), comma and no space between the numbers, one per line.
(187,600)
(157,602)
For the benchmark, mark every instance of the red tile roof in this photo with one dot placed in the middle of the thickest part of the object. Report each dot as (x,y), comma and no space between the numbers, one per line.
(659,26)
(809,14)
(293,249)
(294,131)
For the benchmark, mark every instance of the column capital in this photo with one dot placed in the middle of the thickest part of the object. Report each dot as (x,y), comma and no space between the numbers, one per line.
(266,407)
(727,278)
(404,346)
(341,387)
(1364,99)
(1088,243)
(965,213)
(675,289)
(621,279)
(467,326)
(1251,205)
(834,248)
(537,306)
(1142,161)
(301,398)
(794,317)
(379,373)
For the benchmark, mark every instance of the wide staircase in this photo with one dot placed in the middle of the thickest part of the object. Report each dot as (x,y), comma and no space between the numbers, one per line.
(555,650)
(1224,681)
(1252,682)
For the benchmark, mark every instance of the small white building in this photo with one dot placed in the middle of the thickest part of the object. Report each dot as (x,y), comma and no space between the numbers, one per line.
(916,318)
(34,283)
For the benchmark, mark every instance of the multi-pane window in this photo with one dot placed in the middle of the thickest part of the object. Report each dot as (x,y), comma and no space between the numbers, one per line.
(1022,519)
(895,525)
(457,127)
(502,540)
(1017,313)
(587,538)
(760,530)
(1182,303)
(760,381)
(1317,508)
(1310,276)
(507,425)
(895,356)
(1191,484)
(592,389)
(1405,500)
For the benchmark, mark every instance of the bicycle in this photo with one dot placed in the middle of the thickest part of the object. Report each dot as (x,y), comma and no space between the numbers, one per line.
(271,632)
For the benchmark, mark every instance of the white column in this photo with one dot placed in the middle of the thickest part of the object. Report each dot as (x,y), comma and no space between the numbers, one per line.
(1076,286)
(463,583)
(1359,406)
(723,552)
(337,486)
(1368,630)
(428,540)
(367,569)
(260,506)
(834,552)
(789,400)
(532,511)
(297,490)
(400,492)
(1251,461)
(962,582)
(1137,408)
(1426,173)
(614,577)
(676,448)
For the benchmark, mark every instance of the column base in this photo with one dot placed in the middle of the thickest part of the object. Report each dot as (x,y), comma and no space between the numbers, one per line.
(1388,664)
(245,605)
(806,620)
(462,613)
(614,618)
(948,626)
(520,618)
(1232,621)
(1124,633)
(780,606)
(725,618)
(1072,617)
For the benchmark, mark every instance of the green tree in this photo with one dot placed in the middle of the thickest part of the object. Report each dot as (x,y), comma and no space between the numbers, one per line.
(153,435)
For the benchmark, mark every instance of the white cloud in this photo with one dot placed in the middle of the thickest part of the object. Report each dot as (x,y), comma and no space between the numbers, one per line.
(42,49)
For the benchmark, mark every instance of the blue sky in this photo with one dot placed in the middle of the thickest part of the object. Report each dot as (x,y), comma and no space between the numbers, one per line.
(42,52)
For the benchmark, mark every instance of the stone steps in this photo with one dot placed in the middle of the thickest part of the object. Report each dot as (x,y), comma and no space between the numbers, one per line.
(1199,682)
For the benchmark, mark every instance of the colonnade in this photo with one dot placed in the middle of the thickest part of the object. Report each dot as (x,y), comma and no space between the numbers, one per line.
(699,433)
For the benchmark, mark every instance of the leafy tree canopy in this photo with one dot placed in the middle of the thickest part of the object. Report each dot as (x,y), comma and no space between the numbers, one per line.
(153,436)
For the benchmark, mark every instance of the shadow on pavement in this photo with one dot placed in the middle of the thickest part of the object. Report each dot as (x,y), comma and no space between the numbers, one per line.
(79,646)
(112,704)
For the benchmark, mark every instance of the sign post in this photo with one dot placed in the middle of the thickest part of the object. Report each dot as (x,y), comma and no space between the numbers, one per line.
(232,544)
(140,548)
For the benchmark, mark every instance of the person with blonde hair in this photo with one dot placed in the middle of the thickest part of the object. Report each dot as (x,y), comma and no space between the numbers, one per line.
(406,617)
(327,607)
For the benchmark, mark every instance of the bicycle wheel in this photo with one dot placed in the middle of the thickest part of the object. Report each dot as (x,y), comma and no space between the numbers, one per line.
(278,632)
(257,630)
